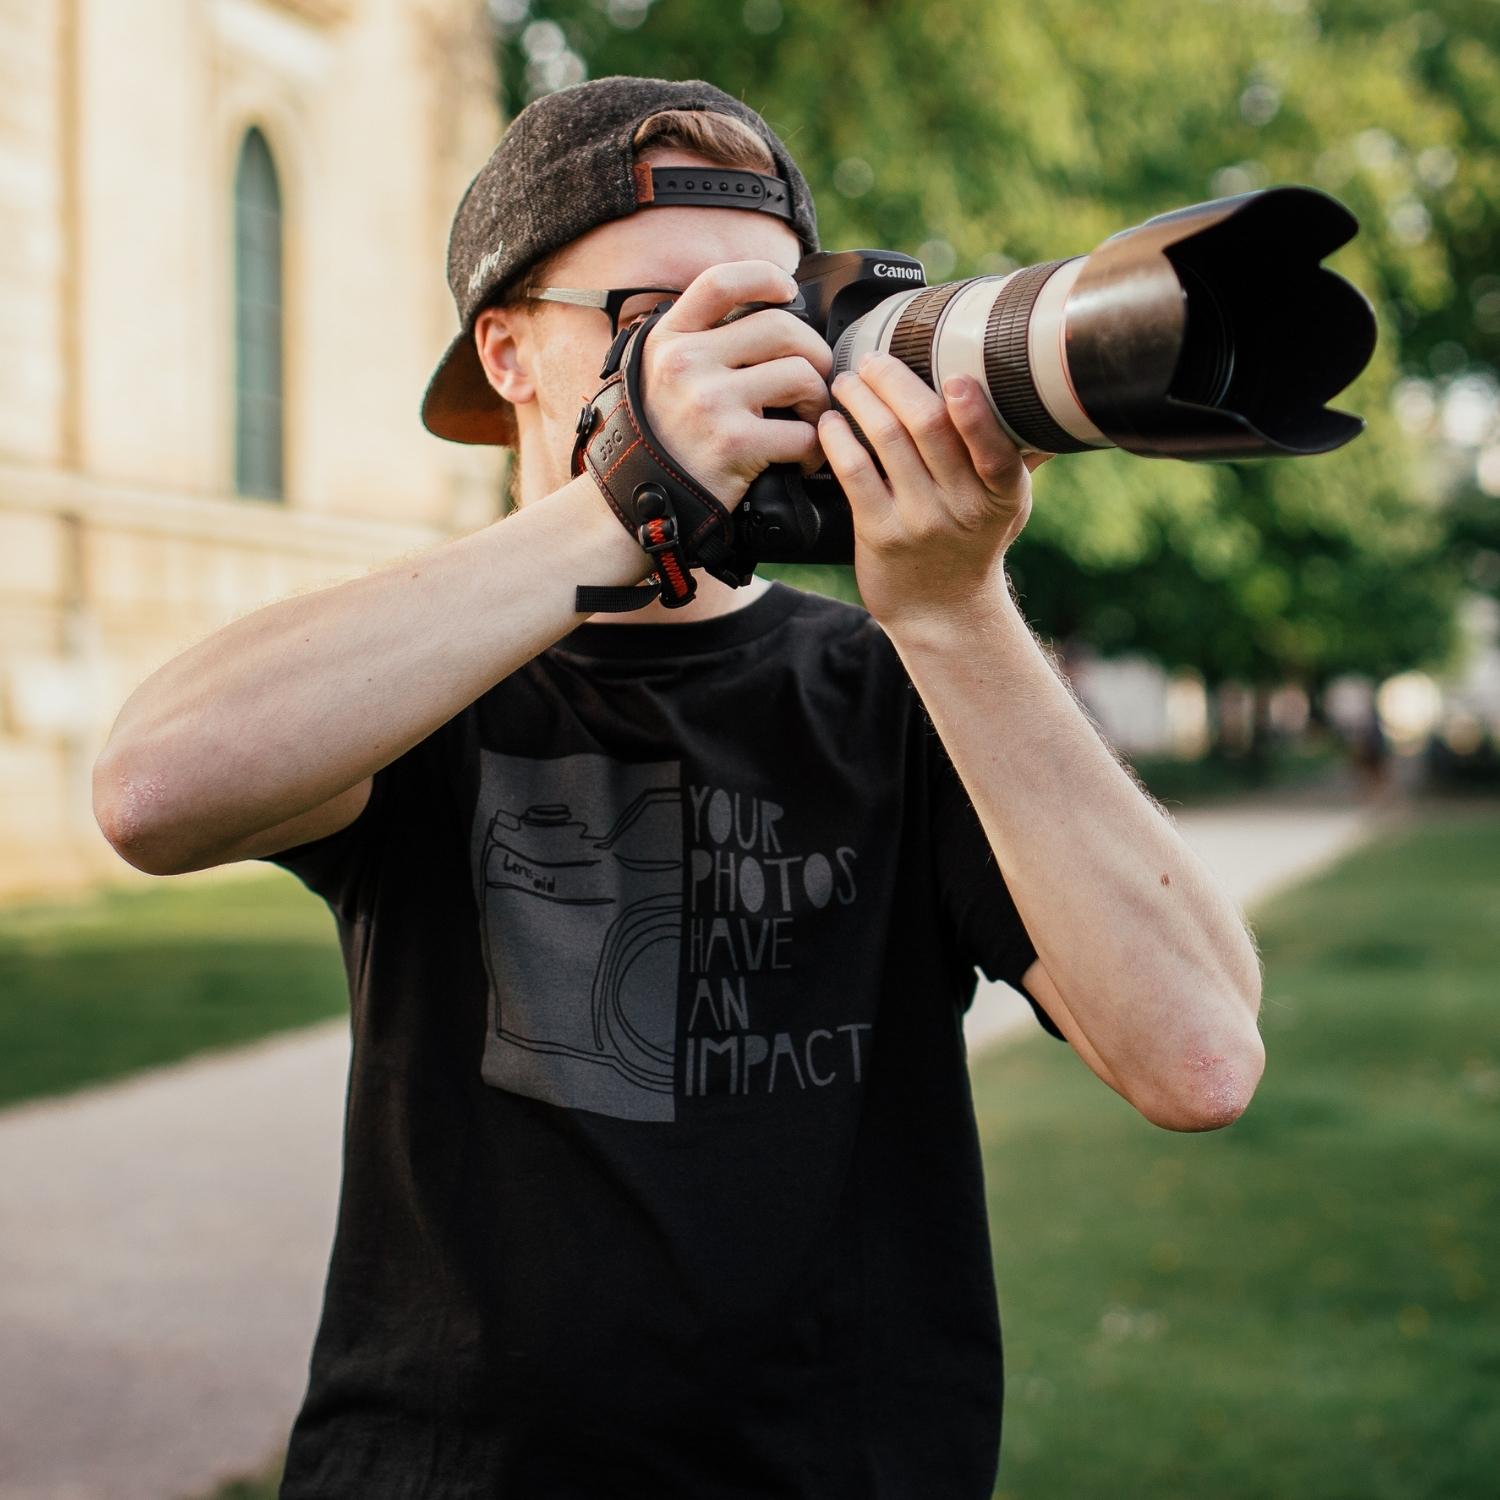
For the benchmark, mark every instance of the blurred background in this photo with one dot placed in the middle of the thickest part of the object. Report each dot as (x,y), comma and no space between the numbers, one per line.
(221,292)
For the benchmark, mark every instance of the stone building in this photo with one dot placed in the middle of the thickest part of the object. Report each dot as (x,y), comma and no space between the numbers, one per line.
(221,293)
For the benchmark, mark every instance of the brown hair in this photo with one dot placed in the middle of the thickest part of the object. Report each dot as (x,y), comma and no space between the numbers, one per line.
(724,140)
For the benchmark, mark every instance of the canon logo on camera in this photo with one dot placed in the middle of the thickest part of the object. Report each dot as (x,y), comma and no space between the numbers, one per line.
(903,273)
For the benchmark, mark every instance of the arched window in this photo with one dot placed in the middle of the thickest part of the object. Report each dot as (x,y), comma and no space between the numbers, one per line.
(257,322)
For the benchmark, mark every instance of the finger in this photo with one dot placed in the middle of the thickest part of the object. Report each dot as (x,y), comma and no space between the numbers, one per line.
(869,495)
(996,458)
(790,382)
(924,414)
(770,334)
(718,290)
(1034,461)
(780,440)
(889,438)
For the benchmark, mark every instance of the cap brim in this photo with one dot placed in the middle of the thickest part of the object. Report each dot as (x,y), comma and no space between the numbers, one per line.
(461,405)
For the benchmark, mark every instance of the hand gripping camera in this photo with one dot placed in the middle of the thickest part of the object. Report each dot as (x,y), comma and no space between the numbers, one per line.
(1210,332)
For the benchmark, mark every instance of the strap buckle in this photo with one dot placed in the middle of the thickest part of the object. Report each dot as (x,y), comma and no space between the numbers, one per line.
(658,535)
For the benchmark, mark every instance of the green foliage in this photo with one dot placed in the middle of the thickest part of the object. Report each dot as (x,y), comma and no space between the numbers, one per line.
(833,579)
(1474,535)
(982,137)
(1260,584)
(1303,1303)
(1217,778)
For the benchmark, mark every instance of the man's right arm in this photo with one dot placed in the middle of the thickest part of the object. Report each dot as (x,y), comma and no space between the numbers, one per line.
(266,734)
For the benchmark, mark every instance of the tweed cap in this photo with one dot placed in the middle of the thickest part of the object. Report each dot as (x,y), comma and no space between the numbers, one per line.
(565,165)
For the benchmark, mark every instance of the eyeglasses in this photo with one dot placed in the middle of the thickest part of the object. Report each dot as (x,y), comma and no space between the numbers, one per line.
(623,304)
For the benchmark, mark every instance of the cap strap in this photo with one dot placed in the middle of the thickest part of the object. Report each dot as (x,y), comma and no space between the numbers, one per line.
(713,187)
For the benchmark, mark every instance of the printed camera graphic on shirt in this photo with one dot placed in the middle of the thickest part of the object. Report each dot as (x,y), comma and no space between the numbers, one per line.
(1206,333)
(550,853)
(581,915)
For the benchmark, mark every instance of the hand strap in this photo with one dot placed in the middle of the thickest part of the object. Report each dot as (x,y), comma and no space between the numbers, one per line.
(671,515)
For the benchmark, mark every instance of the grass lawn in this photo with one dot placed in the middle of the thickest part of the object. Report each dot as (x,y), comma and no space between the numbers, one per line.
(132,978)
(258,1487)
(1306,1304)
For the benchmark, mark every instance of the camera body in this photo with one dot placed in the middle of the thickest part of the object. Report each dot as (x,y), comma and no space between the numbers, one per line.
(787,516)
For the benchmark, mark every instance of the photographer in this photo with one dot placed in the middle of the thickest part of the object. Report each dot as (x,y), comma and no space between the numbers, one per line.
(661,1174)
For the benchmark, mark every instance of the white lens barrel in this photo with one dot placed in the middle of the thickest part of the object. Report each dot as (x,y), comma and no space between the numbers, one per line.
(1048,349)
(959,338)
(872,331)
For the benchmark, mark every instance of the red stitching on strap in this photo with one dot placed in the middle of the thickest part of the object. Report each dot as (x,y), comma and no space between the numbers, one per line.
(718,519)
(630,448)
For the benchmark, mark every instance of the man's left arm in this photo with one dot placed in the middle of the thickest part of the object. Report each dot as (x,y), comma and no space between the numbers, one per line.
(1142,959)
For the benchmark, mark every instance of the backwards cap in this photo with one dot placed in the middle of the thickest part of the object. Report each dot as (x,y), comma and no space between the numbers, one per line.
(567,164)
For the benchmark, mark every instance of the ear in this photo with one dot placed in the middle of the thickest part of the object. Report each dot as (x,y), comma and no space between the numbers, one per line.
(502,336)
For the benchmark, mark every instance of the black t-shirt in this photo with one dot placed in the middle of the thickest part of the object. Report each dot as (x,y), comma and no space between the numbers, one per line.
(661,1176)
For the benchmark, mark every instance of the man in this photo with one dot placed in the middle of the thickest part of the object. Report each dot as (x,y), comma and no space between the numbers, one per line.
(661,1175)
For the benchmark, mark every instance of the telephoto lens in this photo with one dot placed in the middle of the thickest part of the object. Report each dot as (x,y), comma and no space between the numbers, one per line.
(1210,332)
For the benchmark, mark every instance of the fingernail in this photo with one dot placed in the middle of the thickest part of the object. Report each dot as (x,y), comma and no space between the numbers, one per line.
(864,360)
(956,387)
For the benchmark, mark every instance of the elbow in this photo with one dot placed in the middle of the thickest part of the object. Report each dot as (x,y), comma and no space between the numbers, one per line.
(127,805)
(1212,1087)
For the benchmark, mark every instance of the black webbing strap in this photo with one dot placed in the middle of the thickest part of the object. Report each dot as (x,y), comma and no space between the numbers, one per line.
(716,187)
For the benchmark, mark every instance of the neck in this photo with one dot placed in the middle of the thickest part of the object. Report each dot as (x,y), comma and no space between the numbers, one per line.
(711,599)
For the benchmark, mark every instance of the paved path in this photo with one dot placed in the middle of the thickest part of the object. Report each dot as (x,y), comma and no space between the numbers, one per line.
(163,1241)
(162,1248)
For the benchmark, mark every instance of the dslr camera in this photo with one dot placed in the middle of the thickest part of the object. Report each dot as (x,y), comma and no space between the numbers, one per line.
(1210,332)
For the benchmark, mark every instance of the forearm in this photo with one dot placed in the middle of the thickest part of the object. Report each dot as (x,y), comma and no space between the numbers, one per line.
(288,706)
(1150,955)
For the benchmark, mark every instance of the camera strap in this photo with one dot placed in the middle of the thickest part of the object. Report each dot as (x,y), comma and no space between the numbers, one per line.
(673,517)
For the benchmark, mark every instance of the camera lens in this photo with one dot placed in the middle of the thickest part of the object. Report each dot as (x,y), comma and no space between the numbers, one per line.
(916,328)
(1206,364)
(1209,332)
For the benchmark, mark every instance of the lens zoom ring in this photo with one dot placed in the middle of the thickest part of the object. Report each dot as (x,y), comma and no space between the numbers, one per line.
(911,339)
(1007,363)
